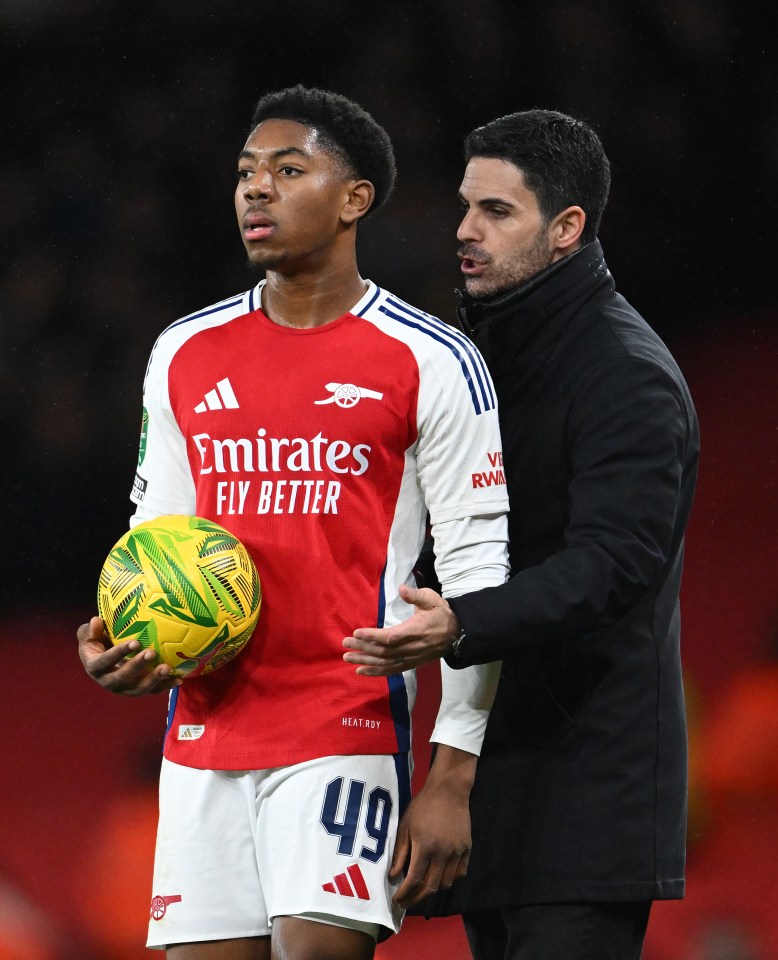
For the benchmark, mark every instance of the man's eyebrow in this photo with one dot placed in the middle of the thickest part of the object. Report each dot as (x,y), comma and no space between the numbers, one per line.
(275,155)
(487,201)
(493,201)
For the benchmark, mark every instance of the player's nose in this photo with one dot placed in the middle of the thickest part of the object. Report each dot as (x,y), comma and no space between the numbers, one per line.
(259,187)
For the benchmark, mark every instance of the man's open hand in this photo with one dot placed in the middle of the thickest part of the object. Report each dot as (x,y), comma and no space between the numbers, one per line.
(426,636)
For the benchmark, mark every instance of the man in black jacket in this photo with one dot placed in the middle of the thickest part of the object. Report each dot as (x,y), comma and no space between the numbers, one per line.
(579,801)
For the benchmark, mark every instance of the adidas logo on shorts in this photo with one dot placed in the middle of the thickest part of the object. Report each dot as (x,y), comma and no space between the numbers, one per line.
(348,884)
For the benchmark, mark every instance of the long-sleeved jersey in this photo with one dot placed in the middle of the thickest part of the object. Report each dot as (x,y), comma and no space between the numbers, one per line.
(322,449)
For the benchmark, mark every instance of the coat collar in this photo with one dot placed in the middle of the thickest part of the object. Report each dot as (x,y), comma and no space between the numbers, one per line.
(546,294)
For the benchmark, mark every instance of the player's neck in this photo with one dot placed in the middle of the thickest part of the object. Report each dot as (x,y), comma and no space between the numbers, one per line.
(308,300)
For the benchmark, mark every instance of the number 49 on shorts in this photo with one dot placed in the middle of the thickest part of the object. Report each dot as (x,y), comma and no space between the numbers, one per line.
(345,811)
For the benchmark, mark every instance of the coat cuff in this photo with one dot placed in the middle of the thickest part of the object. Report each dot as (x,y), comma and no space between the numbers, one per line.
(474,647)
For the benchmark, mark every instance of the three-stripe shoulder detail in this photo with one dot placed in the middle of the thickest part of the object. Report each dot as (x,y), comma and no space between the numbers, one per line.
(470,360)
(216,308)
(225,305)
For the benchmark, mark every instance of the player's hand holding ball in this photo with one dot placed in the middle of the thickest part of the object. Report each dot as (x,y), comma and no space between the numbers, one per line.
(179,596)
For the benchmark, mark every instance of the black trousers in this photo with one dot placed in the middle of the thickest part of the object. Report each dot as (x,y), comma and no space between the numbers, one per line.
(559,931)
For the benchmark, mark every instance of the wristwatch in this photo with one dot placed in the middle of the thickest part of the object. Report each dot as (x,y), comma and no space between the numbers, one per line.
(456,650)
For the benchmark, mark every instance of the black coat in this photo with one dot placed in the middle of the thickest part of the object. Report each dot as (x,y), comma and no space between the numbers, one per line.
(580,792)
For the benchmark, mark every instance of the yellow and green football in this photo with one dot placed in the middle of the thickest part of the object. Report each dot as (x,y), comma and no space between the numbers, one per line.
(184,587)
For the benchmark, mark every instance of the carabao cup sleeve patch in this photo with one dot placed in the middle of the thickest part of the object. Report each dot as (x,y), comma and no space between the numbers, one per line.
(144,435)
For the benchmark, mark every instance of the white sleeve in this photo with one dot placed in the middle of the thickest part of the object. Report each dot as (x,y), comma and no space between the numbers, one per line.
(466,699)
(470,554)
(459,451)
(461,471)
(142,513)
(163,481)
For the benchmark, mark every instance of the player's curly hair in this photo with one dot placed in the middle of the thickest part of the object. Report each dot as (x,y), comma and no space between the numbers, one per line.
(561,158)
(343,126)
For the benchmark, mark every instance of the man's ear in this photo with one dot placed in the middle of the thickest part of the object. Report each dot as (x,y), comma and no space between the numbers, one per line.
(566,229)
(361,194)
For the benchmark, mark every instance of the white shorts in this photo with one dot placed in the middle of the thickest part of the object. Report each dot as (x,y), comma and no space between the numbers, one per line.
(236,848)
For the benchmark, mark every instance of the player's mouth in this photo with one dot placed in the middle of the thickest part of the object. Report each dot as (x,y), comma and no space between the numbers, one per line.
(257,226)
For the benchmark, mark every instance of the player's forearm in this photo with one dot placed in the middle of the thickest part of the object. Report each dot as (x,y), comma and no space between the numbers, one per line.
(454,767)
(471,553)
(466,699)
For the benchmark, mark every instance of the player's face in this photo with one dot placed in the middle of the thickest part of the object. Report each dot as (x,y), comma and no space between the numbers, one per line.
(504,241)
(289,197)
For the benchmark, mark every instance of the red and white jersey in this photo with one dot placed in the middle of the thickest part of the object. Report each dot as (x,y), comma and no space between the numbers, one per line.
(322,449)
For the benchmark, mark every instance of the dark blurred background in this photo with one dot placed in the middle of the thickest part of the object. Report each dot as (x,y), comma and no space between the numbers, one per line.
(121,125)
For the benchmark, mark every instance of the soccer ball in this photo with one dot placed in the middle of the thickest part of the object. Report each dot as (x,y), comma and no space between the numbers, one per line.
(184,587)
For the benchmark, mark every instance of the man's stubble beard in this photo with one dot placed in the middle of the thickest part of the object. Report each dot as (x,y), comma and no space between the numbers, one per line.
(513,271)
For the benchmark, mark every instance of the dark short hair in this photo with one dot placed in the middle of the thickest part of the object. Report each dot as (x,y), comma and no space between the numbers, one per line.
(345,129)
(561,158)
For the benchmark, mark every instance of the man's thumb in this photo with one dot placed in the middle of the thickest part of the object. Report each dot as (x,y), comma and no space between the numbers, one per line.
(423,599)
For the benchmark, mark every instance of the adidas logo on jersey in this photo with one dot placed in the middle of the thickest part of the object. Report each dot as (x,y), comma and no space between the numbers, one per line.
(348,394)
(348,884)
(190,731)
(222,397)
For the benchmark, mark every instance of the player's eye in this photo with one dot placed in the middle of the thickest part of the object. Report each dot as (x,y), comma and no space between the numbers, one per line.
(288,171)
(244,174)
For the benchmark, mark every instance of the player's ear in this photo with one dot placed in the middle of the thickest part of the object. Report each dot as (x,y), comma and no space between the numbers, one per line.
(361,194)
(566,229)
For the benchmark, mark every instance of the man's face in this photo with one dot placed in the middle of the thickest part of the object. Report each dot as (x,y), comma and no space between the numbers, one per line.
(289,197)
(504,241)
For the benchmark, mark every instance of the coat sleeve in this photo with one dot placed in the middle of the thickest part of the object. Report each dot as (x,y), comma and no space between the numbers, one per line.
(628,439)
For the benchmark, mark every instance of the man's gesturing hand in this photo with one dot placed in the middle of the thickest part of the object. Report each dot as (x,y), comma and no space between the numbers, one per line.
(426,636)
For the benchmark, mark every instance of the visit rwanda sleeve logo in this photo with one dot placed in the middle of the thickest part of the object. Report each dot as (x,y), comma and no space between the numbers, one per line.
(144,433)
